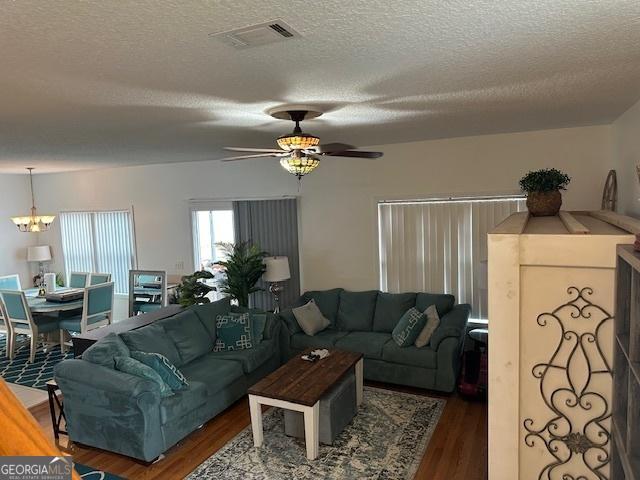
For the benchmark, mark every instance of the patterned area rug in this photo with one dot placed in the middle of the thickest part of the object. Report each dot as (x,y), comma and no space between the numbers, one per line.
(21,371)
(88,473)
(386,440)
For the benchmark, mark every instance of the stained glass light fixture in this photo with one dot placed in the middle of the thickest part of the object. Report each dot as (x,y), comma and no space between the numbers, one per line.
(33,222)
(299,164)
(297,140)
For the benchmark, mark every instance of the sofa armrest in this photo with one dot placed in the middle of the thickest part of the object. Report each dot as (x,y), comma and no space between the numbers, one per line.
(272,327)
(452,324)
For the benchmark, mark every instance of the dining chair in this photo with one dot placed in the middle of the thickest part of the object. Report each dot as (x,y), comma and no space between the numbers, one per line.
(17,312)
(98,278)
(5,327)
(10,282)
(78,279)
(97,308)
(147,291)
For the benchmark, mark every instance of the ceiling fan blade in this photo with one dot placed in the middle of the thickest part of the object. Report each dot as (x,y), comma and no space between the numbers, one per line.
(249,149)
(334,147)
(246,157)
(354,154)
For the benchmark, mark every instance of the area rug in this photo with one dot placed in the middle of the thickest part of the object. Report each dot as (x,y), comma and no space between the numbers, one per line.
(89,473)
(385,440)
(21,371)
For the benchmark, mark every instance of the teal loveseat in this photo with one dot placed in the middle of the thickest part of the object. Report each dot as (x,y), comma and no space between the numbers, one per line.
(363,322)
(123,413)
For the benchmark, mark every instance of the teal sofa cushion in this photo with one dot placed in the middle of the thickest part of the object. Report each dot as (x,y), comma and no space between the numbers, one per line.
(368,343)
(250,358)
(167,371)
(152,338)
(324,339)
(258,323)
(215,373)
(424,357)
(409,327)
(134,367)
(389,310)
(327,301)
(208,313)
(188,334)
(356,310)
(183,402)
(290,321)
(104,351)
(233,332)
(443,302)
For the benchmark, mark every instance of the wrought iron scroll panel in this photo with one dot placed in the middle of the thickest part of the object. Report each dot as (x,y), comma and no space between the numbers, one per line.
(576,433)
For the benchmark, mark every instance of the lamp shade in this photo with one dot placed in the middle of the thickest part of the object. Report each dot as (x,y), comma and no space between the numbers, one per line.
(277,269)
(39,253)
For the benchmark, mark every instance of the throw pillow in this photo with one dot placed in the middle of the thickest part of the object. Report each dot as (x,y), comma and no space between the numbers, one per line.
(233,332)
(310,318)
(258,323)
(104,351)
(408,328)
(433,321)
(134,367)
(163,367)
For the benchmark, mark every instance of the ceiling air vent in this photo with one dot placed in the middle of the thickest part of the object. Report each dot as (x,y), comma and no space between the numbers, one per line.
(257,35)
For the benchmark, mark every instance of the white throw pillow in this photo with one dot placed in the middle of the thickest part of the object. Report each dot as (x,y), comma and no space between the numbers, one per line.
(310,318)
(433,321)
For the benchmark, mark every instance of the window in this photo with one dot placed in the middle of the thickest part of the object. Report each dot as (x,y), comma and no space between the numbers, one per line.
(212,224)
(99,242)
(440,245)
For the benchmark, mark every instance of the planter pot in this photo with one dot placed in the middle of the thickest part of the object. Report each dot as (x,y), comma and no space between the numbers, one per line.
(544,204)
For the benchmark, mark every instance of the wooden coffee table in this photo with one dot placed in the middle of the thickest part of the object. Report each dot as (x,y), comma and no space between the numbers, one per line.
(298,385)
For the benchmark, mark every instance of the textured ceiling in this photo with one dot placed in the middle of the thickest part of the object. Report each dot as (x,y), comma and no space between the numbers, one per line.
(114,82)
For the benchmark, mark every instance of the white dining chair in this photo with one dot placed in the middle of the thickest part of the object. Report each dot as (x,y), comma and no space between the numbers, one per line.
(10,282)
(5,327)
(17,312)
(98,278)
(97,310)
(78,279)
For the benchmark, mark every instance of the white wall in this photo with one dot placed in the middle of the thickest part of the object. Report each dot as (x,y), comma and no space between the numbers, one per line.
(15,200)
(338,212)
(626,145)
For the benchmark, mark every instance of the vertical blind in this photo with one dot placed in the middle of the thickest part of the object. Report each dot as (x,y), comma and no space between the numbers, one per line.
(273,226)
(99,242)
(439,246)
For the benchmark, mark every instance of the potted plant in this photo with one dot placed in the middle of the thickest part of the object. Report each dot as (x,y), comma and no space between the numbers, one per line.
(543,191)
(242,268)
(192,290)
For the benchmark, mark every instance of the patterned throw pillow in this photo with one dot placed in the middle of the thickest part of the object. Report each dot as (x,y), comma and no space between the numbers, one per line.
(433,321)
(163,367)
(233,332)
(408,328)
(134,367)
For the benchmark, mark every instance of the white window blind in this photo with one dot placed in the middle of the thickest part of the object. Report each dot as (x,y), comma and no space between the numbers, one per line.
(439,246)
(99,242)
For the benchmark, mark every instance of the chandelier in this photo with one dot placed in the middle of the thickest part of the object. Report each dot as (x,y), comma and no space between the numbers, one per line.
(299,164)
(33,222)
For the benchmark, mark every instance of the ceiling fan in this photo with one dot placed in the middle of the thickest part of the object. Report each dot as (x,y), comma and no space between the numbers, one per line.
(299,152)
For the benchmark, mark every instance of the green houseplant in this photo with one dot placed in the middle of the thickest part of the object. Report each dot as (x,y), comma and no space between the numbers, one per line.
(543,191)
(243,268)
(192,291)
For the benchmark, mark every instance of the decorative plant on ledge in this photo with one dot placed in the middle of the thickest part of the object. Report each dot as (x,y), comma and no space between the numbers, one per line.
(543,191)
(192,291)
(243,268)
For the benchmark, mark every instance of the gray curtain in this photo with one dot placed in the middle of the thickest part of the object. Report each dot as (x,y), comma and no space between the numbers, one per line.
(273,226)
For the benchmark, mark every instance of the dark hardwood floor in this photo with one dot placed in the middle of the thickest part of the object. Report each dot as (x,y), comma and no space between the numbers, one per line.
(456,451)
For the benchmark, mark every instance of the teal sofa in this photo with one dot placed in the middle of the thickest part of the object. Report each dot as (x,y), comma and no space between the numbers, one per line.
(363,322)
(123,413)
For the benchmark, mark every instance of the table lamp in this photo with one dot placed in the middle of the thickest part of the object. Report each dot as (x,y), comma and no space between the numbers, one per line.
(40,254)
(277,272)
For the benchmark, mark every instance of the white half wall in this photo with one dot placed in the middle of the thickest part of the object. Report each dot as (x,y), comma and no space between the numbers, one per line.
(338,200)
(626,144)
(15,200)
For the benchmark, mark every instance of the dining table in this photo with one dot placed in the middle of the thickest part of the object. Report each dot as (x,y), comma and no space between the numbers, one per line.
(41,305)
